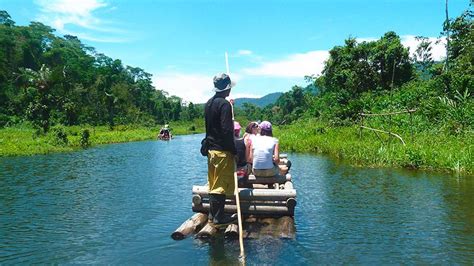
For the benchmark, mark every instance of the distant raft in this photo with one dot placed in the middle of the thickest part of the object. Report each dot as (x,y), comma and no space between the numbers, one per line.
(267,205)
(165,134)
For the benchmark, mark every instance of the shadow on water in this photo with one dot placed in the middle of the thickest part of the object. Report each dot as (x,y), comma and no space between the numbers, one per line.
(118,204)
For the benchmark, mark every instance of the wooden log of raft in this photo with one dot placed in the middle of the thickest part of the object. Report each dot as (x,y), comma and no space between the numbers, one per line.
(288,185)
(266,194)
(250,209)
(282,202)
(286,227)
(232,231)
(269,227)
(189,226)
(261,227)
(291,203)
(283,169)
(197,199)
(280,179)
(247,194)
(207,232)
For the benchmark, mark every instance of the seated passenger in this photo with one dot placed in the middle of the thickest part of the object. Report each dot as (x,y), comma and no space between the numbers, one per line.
(264,152)
(241,158)
(250,132)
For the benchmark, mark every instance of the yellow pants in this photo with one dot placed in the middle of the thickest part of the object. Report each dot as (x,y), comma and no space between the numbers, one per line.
(220,172)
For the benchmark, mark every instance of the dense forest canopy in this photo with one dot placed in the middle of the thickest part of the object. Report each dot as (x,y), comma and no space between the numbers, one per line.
(47,79)
(380,75)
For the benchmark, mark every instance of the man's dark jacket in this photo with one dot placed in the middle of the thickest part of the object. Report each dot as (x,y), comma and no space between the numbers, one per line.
(219,124)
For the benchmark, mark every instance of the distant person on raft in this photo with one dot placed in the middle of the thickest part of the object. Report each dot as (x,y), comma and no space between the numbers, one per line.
(165,133)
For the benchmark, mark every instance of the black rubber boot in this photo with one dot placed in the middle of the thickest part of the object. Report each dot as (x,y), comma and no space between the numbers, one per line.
(219,218)
(213,207)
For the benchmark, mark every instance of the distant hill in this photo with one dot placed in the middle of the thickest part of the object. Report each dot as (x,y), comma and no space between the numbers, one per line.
(260,102)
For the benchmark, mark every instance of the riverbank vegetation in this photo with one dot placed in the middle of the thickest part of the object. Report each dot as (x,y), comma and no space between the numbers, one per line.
(23,140)
(425,150)
(58,94)
(47,80)
(431,104)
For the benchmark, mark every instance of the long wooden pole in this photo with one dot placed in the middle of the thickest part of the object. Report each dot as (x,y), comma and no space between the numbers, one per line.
(388,132)
(392,113)
(447,37)
(239,218)
(227,63)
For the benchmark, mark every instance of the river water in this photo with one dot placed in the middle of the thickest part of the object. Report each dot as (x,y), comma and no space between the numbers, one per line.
(118,204)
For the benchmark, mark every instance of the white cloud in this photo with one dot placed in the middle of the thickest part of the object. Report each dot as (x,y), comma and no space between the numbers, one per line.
(296,65)
(63,13)
(244,52)
(190,87)
(196,88)
(81,8)
(438,50)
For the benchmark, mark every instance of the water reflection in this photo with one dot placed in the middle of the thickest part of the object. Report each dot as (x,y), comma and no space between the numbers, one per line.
(118,204)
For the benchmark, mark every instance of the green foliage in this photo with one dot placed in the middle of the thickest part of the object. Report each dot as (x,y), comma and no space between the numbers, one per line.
(423,58)
(426,150)
(84,140)
(414,158)
(249,110)
(46,80)
(18,140)
(60,136)
(379,77)
(51,80)
(358,67)
(458,111)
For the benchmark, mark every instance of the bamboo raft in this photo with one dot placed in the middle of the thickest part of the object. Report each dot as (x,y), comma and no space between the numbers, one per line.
(267,205)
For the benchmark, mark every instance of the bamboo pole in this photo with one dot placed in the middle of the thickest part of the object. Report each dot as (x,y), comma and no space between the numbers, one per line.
(244,203)
(391,113)
(291,203)
(197,199)
(232,231)
(280,179)
(248,194)
(207,232)
(251,208)
(289,185)
(189,226)
(286,227)
(383,131)
(239,217)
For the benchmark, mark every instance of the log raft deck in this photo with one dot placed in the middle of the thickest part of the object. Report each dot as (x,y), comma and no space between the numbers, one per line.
(267,205)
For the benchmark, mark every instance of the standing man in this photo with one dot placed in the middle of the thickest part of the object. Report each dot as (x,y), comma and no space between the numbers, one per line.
(220,158)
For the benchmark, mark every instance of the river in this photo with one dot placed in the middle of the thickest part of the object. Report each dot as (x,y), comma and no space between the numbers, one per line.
(118,204)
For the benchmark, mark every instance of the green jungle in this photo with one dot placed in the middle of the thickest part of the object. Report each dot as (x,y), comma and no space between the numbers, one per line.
(373,104)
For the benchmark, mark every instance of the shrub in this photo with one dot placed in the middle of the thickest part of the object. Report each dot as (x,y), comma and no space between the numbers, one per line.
(84,141)
(60,136)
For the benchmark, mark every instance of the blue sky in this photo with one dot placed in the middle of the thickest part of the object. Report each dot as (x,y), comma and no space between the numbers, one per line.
(272,45)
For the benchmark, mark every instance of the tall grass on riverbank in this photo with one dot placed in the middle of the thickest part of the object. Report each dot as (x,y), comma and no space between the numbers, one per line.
(434,151)
(22,140)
